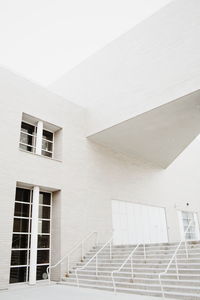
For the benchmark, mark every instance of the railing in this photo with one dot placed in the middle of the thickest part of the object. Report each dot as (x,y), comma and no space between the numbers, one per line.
(130,257)
(96,259)
(80,245)
(174,257)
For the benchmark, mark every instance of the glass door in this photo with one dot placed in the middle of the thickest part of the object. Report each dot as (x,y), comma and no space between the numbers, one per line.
(21,238)
(20,253)
(186,218)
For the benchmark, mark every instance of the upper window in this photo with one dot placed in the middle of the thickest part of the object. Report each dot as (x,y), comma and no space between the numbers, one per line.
(30,141)
(40,137)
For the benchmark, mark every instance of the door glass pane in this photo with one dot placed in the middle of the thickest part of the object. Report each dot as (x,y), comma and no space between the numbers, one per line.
(19,257)
(43,226)
(42,256)
(189,227)
(20,241)
(44,212)
(42,272)
(17,274)
(21,225)
(43,241)
(22,210)
(22,195)
(45,198)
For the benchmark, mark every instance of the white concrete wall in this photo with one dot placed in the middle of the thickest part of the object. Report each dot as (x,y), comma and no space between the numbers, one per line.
(89,175)
(154,63)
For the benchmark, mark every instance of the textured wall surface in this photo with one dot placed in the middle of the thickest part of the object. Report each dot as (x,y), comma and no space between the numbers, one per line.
(88,177)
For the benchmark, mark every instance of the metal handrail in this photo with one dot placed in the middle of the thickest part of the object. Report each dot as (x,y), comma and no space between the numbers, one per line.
(175,258)
(93,257)
(67,255)
(124,263)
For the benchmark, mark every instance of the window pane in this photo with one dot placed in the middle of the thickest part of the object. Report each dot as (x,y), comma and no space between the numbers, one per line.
(45,153)
(27,148)
(27,139)
(42,272)
(43,241)
(43,226)
(19,257)
(22,195)
(27,128)
(20,241)
(20,225)
(42,256)
(18,274)
(44,212)
(47,135)
(47,145)
(45,198)
(22,210)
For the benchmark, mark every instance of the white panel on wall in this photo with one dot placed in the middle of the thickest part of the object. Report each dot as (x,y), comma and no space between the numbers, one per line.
(137,223)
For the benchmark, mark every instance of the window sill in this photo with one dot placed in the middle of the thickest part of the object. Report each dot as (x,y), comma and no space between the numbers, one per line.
(43,156)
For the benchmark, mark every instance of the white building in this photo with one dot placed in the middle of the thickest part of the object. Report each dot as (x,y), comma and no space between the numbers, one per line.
(123,156)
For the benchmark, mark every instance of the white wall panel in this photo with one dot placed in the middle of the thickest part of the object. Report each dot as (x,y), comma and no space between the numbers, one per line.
(137,223)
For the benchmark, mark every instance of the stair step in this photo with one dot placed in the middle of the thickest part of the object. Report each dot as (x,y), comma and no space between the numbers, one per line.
(133,284)
(137,280)
(188,296)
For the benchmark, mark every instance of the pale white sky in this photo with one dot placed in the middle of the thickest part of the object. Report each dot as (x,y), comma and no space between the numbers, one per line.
(43,39)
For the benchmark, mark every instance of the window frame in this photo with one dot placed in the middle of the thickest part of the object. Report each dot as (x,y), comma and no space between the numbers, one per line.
(33,145)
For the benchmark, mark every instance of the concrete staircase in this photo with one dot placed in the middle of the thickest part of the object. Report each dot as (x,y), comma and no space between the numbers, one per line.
(145,271)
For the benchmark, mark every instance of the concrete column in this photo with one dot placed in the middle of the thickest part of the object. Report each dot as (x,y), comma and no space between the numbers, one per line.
(39,138)
(34,235)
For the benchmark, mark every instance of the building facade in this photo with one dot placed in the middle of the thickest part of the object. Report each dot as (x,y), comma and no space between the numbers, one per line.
(67,171)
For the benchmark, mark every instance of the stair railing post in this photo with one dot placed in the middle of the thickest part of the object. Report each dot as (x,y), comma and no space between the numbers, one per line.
(96,265)
(161,286)
(110,250)
(113,282)
(82,254)
(132,267)
(68,265)
(186,248)
(177,273)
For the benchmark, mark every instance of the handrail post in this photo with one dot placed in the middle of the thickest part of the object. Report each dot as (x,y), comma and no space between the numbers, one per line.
(177,273)
(161,286)
(96,266)
(77,279)
(68,265)
(132,267)
(82,250)
(110,250)
(113,281)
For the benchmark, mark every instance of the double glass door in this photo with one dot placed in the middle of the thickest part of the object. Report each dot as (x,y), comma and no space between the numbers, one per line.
(21,237)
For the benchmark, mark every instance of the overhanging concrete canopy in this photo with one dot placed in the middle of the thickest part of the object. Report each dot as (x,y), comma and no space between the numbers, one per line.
(158,135)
